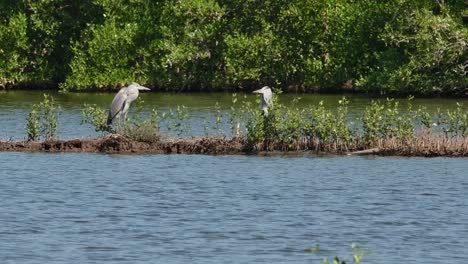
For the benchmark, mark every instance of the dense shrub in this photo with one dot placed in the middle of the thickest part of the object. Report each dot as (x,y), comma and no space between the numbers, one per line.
(401,47)
(424,54)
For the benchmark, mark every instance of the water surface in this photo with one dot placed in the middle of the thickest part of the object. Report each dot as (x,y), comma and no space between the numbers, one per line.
(92,208)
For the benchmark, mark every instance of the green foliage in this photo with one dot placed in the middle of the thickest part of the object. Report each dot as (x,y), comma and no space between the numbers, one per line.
(35,38)
(454,123)
(235,117)
(190,44)
(217,127)
(32,126)
(178,120)
(424,54)
(96,116)
(382,121)
(313,249)
(42,121)
(106,58)
(290,126)
(357,253)
(249,59)
(48,111)
(14,44)
(140,127)
(328,126)
(144,131)
(403,47)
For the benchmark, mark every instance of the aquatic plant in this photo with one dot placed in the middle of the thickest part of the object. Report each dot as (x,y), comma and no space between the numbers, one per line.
(177,120)
(357,253)
(144,129)
(454,123)
(145,132)
(386,120)
(32,126)
(95,116)
(218,121)
(235,117)
(294,128)
(330,127)
(42,121)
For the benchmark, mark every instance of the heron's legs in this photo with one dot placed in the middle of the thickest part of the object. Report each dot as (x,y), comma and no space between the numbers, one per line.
(121,123)
(124,120)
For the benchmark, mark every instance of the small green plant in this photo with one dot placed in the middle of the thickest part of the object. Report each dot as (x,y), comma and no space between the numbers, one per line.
(254,126)
(42,121)
(50,113)
(144,130)
(454,123)
(137,113)
(342,129)
(313,249)
(329,127)
(372,121)
(217,127)
(205,125)
(235,117)
(357,253)
(336,260)
(32,127)
(381,121)
(425,118)
(178,120)
(290,130)
(154,118)
(96,116)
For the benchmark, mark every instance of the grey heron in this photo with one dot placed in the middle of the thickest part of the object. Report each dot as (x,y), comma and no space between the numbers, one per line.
(266,98)
(122,100)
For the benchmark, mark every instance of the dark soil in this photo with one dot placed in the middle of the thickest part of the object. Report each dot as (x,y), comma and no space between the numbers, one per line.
(119,144)
(114,144)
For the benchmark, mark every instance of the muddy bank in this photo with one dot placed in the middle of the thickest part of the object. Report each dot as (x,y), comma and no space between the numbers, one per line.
(115,144)
(119,144)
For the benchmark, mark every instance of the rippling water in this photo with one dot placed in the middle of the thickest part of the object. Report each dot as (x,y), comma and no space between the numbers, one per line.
(91,208)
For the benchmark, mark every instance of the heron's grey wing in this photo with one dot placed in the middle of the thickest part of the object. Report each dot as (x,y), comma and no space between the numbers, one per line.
(117,105)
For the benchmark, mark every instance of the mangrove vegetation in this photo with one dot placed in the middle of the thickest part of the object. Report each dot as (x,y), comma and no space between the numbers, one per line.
(402,47)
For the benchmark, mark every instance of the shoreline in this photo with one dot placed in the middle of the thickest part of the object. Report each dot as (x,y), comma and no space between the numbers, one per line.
(117,144)
(52,86)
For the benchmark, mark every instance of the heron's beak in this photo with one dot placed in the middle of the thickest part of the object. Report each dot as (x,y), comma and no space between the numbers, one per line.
(258,91)
(142,88)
